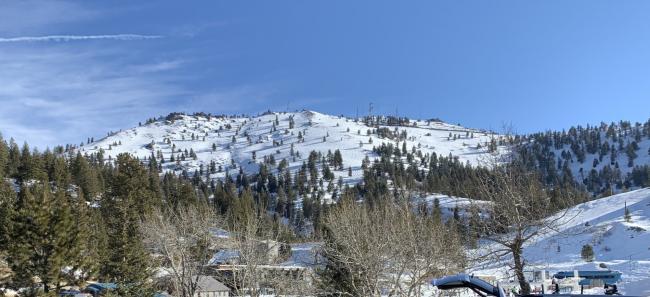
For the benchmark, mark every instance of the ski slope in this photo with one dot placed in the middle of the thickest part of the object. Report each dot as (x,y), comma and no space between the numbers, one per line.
(321,133)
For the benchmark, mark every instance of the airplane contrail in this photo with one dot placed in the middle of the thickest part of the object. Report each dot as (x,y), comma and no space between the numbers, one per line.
(65,38)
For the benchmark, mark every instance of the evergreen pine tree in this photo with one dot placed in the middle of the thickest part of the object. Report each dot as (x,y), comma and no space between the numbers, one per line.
(128,199)
(338,160)
(85,176)
(24,167)
(60,175)
(83,244)
(587,253)
(13,160)
(7,201)
(42,228)
(4,157)
(243,209)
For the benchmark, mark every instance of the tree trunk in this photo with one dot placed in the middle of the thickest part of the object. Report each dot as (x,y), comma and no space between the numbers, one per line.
(519,269)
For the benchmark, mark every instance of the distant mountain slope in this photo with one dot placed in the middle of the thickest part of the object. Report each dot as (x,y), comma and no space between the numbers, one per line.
(615,155)
(221,144)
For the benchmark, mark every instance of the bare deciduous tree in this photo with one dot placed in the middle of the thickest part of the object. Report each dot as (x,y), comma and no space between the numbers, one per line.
(517,209)
(182,238)
(247,276)
(423,248)
(385,249)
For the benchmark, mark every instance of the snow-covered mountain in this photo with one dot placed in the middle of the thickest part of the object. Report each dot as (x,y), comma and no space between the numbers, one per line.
(228,143)
(618,244)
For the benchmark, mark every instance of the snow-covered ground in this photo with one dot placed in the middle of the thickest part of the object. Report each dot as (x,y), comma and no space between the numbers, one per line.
(345,134)
(618,244)
(448,203)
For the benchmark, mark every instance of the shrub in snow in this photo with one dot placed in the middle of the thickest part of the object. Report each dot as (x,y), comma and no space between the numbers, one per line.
(587,253)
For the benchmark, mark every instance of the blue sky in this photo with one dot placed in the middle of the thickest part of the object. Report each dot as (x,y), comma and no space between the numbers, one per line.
(74,69)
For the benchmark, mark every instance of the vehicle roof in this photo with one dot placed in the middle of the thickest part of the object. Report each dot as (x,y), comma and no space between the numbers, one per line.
(467,281)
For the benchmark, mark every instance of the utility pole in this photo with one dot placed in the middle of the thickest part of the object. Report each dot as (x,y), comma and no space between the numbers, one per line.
(630,262)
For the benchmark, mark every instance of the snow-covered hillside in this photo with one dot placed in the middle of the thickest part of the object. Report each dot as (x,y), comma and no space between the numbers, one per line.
(619,244)
(234,142)
(619,163)
(605,158)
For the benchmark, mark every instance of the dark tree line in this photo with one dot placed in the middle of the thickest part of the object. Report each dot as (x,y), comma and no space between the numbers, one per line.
(68,218)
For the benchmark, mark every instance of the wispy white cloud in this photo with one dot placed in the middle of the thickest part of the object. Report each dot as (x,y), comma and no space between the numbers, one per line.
(64,95)
(68,93)
(64,38)
(158,66)
(54,92)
